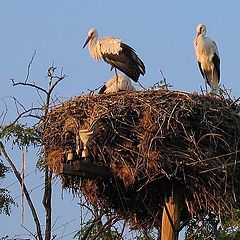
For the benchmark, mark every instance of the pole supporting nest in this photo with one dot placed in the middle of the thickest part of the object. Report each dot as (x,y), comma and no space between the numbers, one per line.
(171,214)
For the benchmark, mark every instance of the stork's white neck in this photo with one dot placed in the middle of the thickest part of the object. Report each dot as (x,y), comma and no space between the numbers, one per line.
(94,48)
(199,39)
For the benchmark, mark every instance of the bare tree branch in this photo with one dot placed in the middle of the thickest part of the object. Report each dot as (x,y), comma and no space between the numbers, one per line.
(4,113)
(29,84)
(48,172)
(30,203)
(53,82)
(28,231)
(29,65)
(20,115)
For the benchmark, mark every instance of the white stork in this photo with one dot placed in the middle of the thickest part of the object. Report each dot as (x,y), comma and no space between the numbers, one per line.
(111,86)
(116,53)
(207,57)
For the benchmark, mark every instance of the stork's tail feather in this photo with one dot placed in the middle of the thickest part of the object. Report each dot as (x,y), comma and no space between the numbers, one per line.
(141,66)
(215,80)
(103,89)
(212,79)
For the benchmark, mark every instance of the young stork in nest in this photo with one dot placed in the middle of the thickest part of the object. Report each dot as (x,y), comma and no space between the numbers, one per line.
(116,53)
(111,86)
(207,57)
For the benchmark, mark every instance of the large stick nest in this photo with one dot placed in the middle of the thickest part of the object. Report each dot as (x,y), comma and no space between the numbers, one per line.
(152,141)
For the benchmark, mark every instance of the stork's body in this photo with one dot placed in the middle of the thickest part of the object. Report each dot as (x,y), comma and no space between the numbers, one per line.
(207,57)
(112,85)
(116,53)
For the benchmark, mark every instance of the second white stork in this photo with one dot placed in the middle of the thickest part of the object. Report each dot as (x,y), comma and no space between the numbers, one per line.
(113,86)
(207,57)
(116,53)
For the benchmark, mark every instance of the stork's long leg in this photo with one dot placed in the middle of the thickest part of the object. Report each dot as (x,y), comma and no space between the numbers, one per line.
(206,86)
(205,78)
(116,79)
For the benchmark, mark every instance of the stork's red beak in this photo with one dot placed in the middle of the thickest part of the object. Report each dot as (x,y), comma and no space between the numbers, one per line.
(88,39)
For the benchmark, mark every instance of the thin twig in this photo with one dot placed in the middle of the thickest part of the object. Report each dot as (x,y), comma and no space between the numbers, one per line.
(29,65)
(28,231)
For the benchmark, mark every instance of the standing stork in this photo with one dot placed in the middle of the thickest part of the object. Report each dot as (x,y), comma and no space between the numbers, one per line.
(207,57)
(116,53)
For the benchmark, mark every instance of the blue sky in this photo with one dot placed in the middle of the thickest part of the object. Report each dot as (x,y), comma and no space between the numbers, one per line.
(161,32)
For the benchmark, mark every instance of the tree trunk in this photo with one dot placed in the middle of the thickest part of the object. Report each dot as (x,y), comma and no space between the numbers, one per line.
(171,215)
(47,197)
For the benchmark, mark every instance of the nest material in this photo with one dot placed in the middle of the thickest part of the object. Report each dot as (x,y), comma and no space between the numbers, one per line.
(152,141)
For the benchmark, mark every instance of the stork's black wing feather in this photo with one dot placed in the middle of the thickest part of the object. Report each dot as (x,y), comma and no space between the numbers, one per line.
(199,64)
(126,61)
(216,62)
(204,74)
(103,88)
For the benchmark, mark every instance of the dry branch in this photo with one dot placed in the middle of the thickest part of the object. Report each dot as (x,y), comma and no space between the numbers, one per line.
(29,200)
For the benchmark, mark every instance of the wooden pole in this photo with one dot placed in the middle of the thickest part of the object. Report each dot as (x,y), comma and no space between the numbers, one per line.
(171,215)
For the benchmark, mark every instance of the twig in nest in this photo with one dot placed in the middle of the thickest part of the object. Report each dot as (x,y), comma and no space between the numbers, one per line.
(166,85)
(141,85)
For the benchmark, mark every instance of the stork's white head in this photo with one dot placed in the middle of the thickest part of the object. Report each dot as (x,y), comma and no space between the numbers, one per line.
(201,29)
(92,34)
